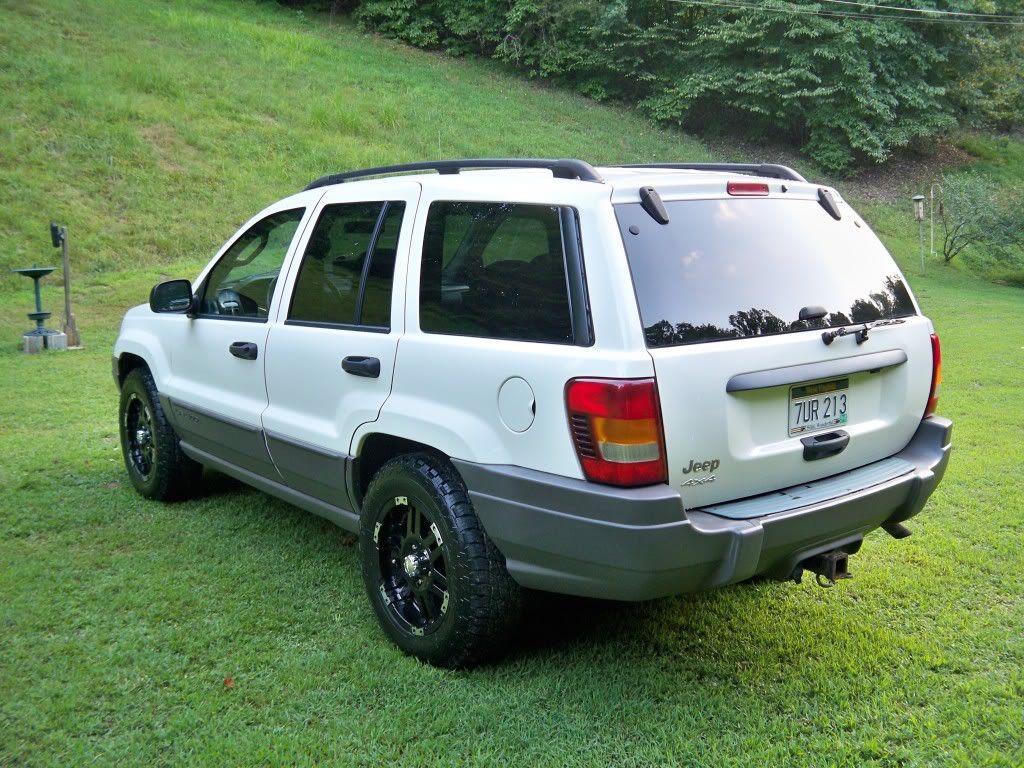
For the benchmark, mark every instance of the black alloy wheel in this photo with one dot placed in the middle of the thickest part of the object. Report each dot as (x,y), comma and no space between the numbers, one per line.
(413,568)
(157,467)
(140,445)
(438,585)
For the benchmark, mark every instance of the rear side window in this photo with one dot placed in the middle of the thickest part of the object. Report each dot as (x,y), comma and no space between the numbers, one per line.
(732,269)
(347,269)
(495,270)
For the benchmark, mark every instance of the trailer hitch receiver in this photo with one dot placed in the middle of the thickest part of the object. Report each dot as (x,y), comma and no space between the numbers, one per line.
(829,567)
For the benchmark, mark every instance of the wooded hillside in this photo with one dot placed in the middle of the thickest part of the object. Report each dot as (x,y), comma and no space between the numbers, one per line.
(849,83)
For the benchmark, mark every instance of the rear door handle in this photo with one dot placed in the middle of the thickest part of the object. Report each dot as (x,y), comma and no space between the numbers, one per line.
(825,445)
(244,349)
(358,365)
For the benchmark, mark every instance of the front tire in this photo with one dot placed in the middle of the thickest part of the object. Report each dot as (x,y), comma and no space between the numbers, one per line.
(156,465)
(438,585)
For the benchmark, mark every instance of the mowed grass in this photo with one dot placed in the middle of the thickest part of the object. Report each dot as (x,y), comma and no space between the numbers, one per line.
(121,620)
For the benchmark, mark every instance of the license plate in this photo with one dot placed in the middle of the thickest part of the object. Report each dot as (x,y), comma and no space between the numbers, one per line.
(813,407)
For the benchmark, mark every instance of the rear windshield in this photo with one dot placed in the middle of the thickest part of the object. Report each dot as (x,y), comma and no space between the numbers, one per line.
(731,269)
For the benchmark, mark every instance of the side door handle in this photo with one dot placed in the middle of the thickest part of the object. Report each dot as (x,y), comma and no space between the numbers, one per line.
(821,446)
(244,349)
(357,365)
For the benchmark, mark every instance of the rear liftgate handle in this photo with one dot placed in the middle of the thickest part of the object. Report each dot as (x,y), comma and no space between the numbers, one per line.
(244,349)
(825,445)
(368,367)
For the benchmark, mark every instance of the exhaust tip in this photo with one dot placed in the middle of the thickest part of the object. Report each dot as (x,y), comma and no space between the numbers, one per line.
(896,530)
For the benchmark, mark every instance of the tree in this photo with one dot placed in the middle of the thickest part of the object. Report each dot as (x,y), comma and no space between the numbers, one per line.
(974,211)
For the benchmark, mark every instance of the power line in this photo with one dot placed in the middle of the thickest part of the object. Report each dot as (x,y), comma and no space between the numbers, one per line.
(847,14)
(841,14)
(935,11)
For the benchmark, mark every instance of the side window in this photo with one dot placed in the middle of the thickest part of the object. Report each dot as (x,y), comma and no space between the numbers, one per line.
(347,270)
(495,270)
(242,283)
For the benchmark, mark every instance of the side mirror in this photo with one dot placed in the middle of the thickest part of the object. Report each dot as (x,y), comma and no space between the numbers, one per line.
(172,296)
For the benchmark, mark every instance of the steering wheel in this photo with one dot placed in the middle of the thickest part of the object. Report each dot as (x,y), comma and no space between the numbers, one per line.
(229,302)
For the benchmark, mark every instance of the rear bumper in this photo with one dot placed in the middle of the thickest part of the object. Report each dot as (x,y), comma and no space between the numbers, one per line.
(570,536)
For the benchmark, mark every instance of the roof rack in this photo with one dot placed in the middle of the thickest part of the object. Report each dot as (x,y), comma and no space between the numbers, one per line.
(769,170)
(560,169)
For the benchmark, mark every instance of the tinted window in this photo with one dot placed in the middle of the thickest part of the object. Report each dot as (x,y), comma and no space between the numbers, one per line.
(328,286)
(729,269)
(495,270)
(243,281)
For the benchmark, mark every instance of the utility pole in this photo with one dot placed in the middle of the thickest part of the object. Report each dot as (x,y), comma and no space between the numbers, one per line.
(59,237)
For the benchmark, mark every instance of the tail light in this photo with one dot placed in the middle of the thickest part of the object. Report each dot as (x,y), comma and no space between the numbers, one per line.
(616,429)
(933,394)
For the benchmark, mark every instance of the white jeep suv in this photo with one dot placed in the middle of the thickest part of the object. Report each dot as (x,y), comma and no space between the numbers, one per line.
(620,382)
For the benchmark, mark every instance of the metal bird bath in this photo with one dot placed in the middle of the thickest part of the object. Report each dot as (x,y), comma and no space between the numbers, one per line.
(39,316)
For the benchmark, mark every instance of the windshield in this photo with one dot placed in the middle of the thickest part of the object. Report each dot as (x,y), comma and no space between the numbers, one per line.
(735,268)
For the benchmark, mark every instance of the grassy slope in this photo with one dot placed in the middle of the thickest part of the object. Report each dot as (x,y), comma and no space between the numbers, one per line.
(155,129)
(120,619)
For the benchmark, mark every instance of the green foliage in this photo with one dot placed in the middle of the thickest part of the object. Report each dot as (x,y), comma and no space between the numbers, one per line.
(841,90)
(405,20)
(846,91)
(974,213)
(993,91)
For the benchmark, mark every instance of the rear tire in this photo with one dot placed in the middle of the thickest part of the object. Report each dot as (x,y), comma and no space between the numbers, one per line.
(156,465)
(438,585)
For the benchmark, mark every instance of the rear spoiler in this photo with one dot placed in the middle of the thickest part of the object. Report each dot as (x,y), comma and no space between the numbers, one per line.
(768,170)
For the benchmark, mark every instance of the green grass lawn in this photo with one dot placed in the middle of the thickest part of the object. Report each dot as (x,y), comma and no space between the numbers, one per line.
(121,619)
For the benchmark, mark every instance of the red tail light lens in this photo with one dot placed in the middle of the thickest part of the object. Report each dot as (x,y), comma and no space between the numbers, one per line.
(933,394)
(746,188)
(616,429)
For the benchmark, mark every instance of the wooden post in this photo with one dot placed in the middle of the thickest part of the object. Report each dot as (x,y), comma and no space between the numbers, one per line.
(70,328)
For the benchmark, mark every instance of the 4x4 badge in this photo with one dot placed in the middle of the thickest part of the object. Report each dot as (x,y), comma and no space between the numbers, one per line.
(699,480)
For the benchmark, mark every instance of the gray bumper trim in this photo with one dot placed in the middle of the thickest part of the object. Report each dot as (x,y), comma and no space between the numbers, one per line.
(565,535)
(806,494)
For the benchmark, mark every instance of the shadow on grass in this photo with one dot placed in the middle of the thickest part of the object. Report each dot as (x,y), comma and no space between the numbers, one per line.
(556,624)
(745,630)
(215,484)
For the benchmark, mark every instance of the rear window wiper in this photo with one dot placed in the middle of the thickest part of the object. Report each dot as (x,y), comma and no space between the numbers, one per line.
(859,330)
(812,312)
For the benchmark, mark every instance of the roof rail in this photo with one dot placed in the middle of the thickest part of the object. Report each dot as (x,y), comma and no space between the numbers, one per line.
(769,170)
(560,169)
